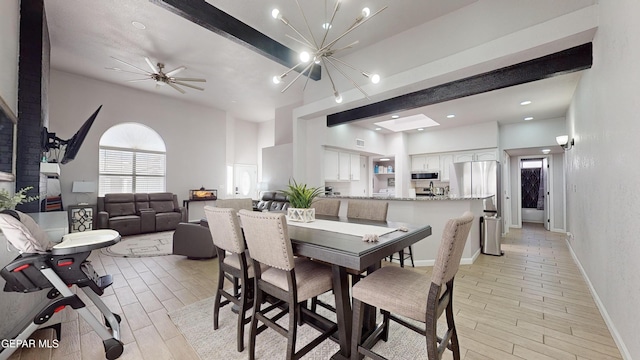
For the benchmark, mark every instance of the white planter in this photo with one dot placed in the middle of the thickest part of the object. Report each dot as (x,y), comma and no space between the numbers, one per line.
(301,215)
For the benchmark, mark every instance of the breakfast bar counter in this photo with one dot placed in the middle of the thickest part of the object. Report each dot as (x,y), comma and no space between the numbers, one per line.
(435,210)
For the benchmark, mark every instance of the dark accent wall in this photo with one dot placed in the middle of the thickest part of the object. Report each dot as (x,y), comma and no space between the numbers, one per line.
(33,83)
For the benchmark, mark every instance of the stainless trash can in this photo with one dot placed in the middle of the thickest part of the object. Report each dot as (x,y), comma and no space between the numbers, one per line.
(491,235)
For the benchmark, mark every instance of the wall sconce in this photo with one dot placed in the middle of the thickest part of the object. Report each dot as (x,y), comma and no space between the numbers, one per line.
(563,140)
(83,188)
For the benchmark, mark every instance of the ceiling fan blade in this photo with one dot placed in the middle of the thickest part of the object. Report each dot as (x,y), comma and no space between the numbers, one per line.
(133,66)
(176,87)
(175,71)
(189,79)
(127,71)
(153,67)
(136,80)
(187,85)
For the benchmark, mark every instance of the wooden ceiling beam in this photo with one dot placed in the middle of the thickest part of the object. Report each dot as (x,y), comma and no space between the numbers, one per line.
(211,18)
(559,63)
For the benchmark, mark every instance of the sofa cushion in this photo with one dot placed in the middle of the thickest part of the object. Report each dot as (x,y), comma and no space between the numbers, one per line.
(167,221)
(120,209)
(161,206)
(125,225)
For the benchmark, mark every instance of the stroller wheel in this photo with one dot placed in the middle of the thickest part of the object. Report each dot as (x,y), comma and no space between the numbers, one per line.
(118,318)
(113,348)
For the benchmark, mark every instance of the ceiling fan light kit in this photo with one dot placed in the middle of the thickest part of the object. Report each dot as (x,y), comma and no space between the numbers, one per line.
(324,52)
(158,75)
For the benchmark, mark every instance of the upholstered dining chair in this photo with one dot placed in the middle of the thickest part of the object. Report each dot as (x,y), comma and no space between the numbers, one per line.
(235,204)
(233,262)
(288,279)
(326,207)
(375,210)
(398,291)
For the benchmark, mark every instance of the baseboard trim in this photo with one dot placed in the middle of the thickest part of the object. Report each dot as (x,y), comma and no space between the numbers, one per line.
(424,262)
(605,315)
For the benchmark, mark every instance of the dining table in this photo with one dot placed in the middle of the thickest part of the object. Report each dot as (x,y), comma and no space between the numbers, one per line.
(339,242)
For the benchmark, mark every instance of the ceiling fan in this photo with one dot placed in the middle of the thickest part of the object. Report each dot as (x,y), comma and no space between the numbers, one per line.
(158,75)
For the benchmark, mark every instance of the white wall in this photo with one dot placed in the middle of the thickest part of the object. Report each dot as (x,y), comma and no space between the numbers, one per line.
(528,134)
(194,135)
(602,172)
(277,166)
(558,222)
(246,138)
(265,138)
(478,136)
(9,40)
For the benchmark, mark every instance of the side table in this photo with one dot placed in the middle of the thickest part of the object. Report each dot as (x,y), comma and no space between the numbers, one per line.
(81,217)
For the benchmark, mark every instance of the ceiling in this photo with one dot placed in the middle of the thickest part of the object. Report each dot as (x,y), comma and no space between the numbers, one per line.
(85,35)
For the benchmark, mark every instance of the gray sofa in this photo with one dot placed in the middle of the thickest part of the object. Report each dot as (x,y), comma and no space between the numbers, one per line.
(140,213)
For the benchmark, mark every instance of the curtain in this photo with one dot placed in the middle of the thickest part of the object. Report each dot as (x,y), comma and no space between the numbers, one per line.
(541,193)
(530,186)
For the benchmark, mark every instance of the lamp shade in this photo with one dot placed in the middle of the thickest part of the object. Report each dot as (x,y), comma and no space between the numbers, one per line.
(562,139)
(83,187)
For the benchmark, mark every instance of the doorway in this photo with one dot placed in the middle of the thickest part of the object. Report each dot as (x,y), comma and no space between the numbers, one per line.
(534,196)
(245,181)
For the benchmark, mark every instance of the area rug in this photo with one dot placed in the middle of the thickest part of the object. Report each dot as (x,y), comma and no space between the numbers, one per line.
(195,322)
(155,244)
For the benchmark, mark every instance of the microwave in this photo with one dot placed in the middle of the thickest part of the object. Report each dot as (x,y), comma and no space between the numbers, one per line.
(428,175)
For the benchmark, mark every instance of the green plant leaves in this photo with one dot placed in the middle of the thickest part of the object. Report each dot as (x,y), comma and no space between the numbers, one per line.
(300,195)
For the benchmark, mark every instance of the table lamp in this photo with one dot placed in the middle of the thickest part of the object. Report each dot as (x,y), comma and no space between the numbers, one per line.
(83,187)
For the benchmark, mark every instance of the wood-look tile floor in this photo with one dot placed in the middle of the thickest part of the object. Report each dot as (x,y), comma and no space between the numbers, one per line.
(531,303)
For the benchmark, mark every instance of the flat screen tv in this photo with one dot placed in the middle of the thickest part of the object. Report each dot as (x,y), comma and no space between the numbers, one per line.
(72,146)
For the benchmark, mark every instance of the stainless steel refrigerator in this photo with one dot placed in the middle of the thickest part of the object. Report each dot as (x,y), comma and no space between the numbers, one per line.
(481,179)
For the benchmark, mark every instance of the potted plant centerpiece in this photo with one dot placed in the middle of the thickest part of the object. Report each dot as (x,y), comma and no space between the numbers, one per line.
(300,198)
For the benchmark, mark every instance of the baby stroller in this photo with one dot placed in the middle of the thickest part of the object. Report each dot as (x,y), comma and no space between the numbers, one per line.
(45,265)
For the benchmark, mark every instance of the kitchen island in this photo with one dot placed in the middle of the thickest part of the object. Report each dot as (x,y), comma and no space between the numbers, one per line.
(432,210)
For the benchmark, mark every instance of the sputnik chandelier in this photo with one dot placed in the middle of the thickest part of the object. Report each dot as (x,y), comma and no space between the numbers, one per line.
(324,51)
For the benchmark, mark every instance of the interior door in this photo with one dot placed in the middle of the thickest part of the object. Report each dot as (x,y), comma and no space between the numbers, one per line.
(359,188)
(545,175)
(506,190)
(245,181)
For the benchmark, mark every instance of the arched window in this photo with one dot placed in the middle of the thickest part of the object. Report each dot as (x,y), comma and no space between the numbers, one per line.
(132,160)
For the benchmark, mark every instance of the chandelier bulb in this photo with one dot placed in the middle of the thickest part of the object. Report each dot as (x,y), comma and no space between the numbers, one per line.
(276,79)
(338,97)
(375,78)
(275,13)
(305,57)
(366,12)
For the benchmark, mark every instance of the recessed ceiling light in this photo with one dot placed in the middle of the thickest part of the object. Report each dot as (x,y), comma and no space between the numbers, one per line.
(421,129)
(450,116)
(378,129)
(546,151)
(526,102)
(528,118)
(395,116)
(138,25)
(384,159)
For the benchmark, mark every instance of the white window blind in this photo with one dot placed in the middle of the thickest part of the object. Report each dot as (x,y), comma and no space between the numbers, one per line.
(131,170)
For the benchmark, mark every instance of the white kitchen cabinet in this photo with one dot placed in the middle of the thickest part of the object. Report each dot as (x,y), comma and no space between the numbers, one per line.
(425,162)
(341,166)
(486,155)
(462,157)
(344,166)
(355,167)
(445,162)
(331,165)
